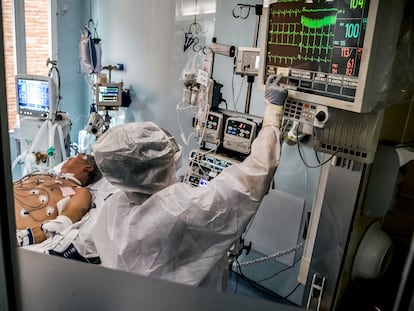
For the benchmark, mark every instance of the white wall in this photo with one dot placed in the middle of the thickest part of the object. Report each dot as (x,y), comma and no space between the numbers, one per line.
(147,36)
(71,15)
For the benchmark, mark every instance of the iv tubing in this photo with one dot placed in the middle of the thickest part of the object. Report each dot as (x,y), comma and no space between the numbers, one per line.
(47,128)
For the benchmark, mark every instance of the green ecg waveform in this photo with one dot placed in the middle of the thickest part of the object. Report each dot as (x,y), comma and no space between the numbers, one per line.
(281,59)
(284,13)
(318,23)
(319,10)
(311,36)
(285,33)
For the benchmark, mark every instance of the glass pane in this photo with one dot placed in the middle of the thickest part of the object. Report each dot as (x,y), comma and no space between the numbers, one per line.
(37,46)
(37,36)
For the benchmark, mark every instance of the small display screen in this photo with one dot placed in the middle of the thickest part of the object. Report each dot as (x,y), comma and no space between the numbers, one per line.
(317,45)
(239,129)
(108,94)
(32,96)
(212,122)
(203,182)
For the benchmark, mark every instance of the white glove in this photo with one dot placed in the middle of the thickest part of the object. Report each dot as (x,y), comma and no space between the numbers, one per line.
(275,97)
(55,226)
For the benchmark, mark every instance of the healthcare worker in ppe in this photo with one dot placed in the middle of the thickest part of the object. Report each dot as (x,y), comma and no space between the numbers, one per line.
(161,228)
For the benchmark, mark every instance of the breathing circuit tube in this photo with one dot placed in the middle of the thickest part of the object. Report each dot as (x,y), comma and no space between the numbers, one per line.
(48,129)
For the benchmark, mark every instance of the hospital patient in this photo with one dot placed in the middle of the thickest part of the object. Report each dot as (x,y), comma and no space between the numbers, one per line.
(161,228)
(46,204)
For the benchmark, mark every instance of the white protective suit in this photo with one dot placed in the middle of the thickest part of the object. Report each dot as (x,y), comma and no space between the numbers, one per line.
(165,229)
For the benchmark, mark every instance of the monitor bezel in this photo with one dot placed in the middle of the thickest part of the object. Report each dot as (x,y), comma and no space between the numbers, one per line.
(362,94)
(29,112)
(102,105)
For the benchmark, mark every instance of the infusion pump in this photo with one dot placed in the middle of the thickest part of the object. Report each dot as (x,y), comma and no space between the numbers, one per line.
(230,135)
(239,134)
(213,128)
(229,132)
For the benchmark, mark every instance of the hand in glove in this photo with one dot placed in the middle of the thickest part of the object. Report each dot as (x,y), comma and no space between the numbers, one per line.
(275,97)
(55,226)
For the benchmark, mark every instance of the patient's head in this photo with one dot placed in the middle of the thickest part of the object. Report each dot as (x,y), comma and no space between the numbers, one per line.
(83,167)
(138,157)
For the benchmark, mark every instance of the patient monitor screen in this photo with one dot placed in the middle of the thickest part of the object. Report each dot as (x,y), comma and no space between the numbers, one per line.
(317,45)
(109,95)
(32,95)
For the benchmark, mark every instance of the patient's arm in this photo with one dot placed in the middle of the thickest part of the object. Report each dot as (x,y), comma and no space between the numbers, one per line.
(78,205)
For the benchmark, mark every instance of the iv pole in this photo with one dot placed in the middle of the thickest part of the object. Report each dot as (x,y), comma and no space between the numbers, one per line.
(250,78)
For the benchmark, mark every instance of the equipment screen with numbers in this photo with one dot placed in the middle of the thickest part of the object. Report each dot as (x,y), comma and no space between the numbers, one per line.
(322,47)
(33,95)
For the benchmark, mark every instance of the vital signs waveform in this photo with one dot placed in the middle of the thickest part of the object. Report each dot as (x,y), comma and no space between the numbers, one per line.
(309,30)
(286,12)
(318,23)
(292,34)
(288,60)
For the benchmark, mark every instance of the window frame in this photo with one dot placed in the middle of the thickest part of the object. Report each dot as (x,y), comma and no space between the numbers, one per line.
(20,43)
